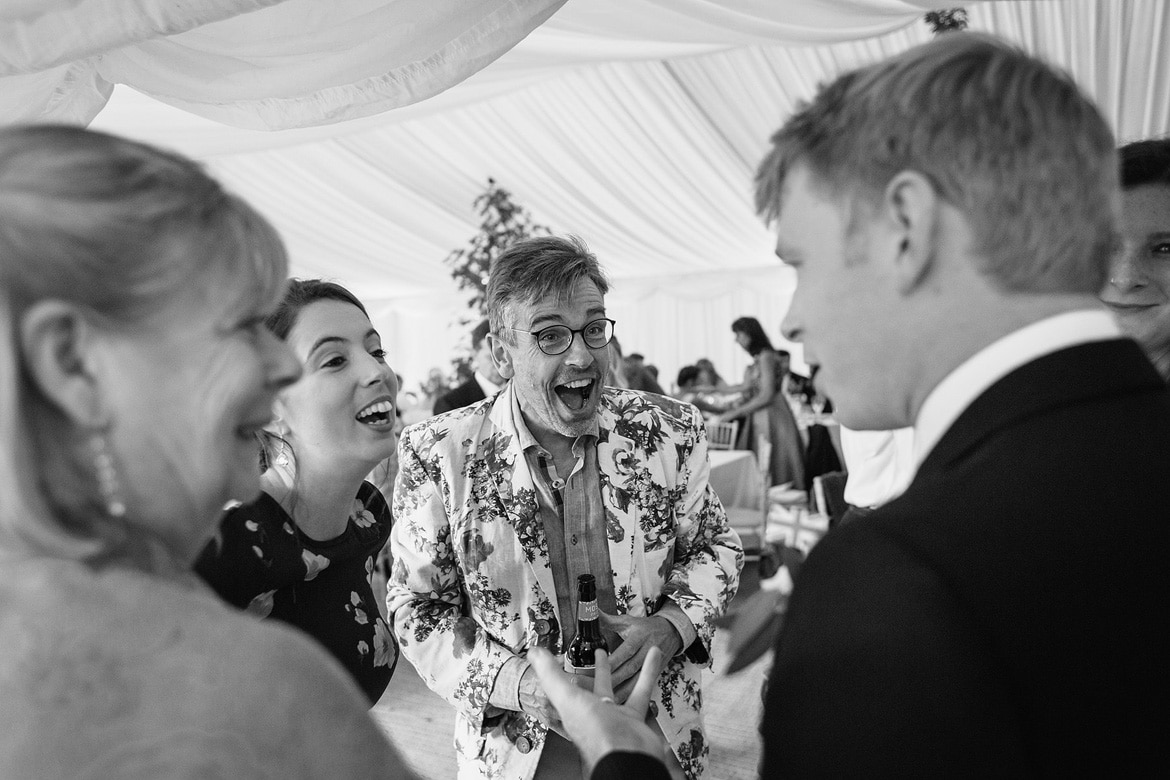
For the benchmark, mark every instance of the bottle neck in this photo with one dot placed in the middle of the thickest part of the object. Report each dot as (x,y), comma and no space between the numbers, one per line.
(588,618)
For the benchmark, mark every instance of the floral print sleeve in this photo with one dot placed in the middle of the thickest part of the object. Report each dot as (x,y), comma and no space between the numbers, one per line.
(708,552)
(426,598)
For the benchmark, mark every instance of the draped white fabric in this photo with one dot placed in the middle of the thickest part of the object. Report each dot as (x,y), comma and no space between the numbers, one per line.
(636,124)
(265,64)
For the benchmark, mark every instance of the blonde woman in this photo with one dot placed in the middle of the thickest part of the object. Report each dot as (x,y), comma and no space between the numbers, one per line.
(136,372)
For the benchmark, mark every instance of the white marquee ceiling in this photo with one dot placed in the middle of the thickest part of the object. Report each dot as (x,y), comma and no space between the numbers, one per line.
(634,123)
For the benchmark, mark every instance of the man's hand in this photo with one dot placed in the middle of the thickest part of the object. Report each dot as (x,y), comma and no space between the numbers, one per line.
(595,723)
(639,635)
(534,701)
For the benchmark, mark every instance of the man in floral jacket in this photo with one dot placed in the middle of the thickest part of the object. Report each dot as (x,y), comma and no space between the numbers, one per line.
(501,505)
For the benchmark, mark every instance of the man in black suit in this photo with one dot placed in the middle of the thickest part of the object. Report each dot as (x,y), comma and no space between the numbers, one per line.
(950,215)
(484,382)
(793,384)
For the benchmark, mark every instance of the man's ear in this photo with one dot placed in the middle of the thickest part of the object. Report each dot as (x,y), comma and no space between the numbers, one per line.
(59,345)
(911,205)
(501,356)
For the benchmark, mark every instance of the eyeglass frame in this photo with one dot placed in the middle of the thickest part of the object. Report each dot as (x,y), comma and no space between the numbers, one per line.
(572,335)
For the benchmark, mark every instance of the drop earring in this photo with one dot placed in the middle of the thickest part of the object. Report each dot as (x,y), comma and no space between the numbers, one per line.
(107,475)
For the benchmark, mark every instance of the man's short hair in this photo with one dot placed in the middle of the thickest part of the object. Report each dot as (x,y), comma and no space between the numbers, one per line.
(1145,162)
(1006,139)
(535,268)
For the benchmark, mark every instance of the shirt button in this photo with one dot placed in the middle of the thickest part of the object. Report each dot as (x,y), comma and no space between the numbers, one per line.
(542,626)
(573,539)
(524,744)
(653,710)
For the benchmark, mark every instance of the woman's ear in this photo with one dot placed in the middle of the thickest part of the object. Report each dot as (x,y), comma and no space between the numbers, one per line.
(501,356)
(59,346)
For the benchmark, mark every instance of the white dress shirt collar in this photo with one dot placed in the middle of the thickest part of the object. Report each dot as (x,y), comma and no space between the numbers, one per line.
(986,367)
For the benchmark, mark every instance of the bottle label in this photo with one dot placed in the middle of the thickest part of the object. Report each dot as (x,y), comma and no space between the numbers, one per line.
(587,610)
(582,671)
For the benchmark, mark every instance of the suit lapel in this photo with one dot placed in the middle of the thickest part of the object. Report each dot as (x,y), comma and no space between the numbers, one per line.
(1076,374)
(517,494)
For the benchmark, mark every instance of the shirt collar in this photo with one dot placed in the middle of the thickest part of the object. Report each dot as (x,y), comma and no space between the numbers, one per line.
(962,386)
(528,441)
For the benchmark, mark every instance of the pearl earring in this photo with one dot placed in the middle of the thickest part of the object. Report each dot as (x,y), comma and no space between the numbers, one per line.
(107,476)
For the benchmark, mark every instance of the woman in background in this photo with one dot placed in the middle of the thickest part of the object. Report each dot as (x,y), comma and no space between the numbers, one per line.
(304,551)
(136,371)
(768,427)
(708,379)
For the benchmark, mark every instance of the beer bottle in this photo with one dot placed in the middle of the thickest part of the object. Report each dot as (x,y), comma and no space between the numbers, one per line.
(579,658)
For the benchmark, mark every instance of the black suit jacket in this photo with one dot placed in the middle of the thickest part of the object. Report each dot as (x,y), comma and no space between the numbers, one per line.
(1005,616)
(465,395)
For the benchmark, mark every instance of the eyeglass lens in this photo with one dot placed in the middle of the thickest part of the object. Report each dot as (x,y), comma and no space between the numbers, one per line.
(556,339)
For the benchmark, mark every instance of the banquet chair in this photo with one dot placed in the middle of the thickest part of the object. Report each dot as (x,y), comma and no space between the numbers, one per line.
(721,435)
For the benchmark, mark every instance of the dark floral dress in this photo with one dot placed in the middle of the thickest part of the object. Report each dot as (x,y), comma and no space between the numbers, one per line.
(260,561)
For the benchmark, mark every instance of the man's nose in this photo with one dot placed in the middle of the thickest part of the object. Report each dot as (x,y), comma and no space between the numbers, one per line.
(578,353)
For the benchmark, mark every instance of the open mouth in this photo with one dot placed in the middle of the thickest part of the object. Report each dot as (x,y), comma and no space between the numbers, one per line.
(575,394)
(377,413)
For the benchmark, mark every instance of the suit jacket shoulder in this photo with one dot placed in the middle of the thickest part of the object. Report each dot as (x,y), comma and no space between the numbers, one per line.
(1008,604)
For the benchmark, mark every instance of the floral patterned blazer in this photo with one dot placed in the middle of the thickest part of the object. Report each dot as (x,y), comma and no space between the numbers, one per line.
(472,578)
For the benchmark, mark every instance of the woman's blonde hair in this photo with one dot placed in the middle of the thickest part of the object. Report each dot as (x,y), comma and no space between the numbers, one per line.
(124,230)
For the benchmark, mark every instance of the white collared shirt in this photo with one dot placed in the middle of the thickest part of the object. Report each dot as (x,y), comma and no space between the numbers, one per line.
(880,465)
(489,387)
(962,386)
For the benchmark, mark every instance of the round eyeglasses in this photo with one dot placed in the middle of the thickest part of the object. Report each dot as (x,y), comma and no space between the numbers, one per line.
(556,339)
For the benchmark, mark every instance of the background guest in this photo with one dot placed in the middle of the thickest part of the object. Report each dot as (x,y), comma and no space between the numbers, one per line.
(304,551)
(639,376)
(769,428)
(1138,291)
(709,378)
(617,366)
(688,383)
(136,370)
(484,382)
(794,385)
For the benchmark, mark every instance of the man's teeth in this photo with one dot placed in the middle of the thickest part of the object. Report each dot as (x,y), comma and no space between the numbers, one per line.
(579,383)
